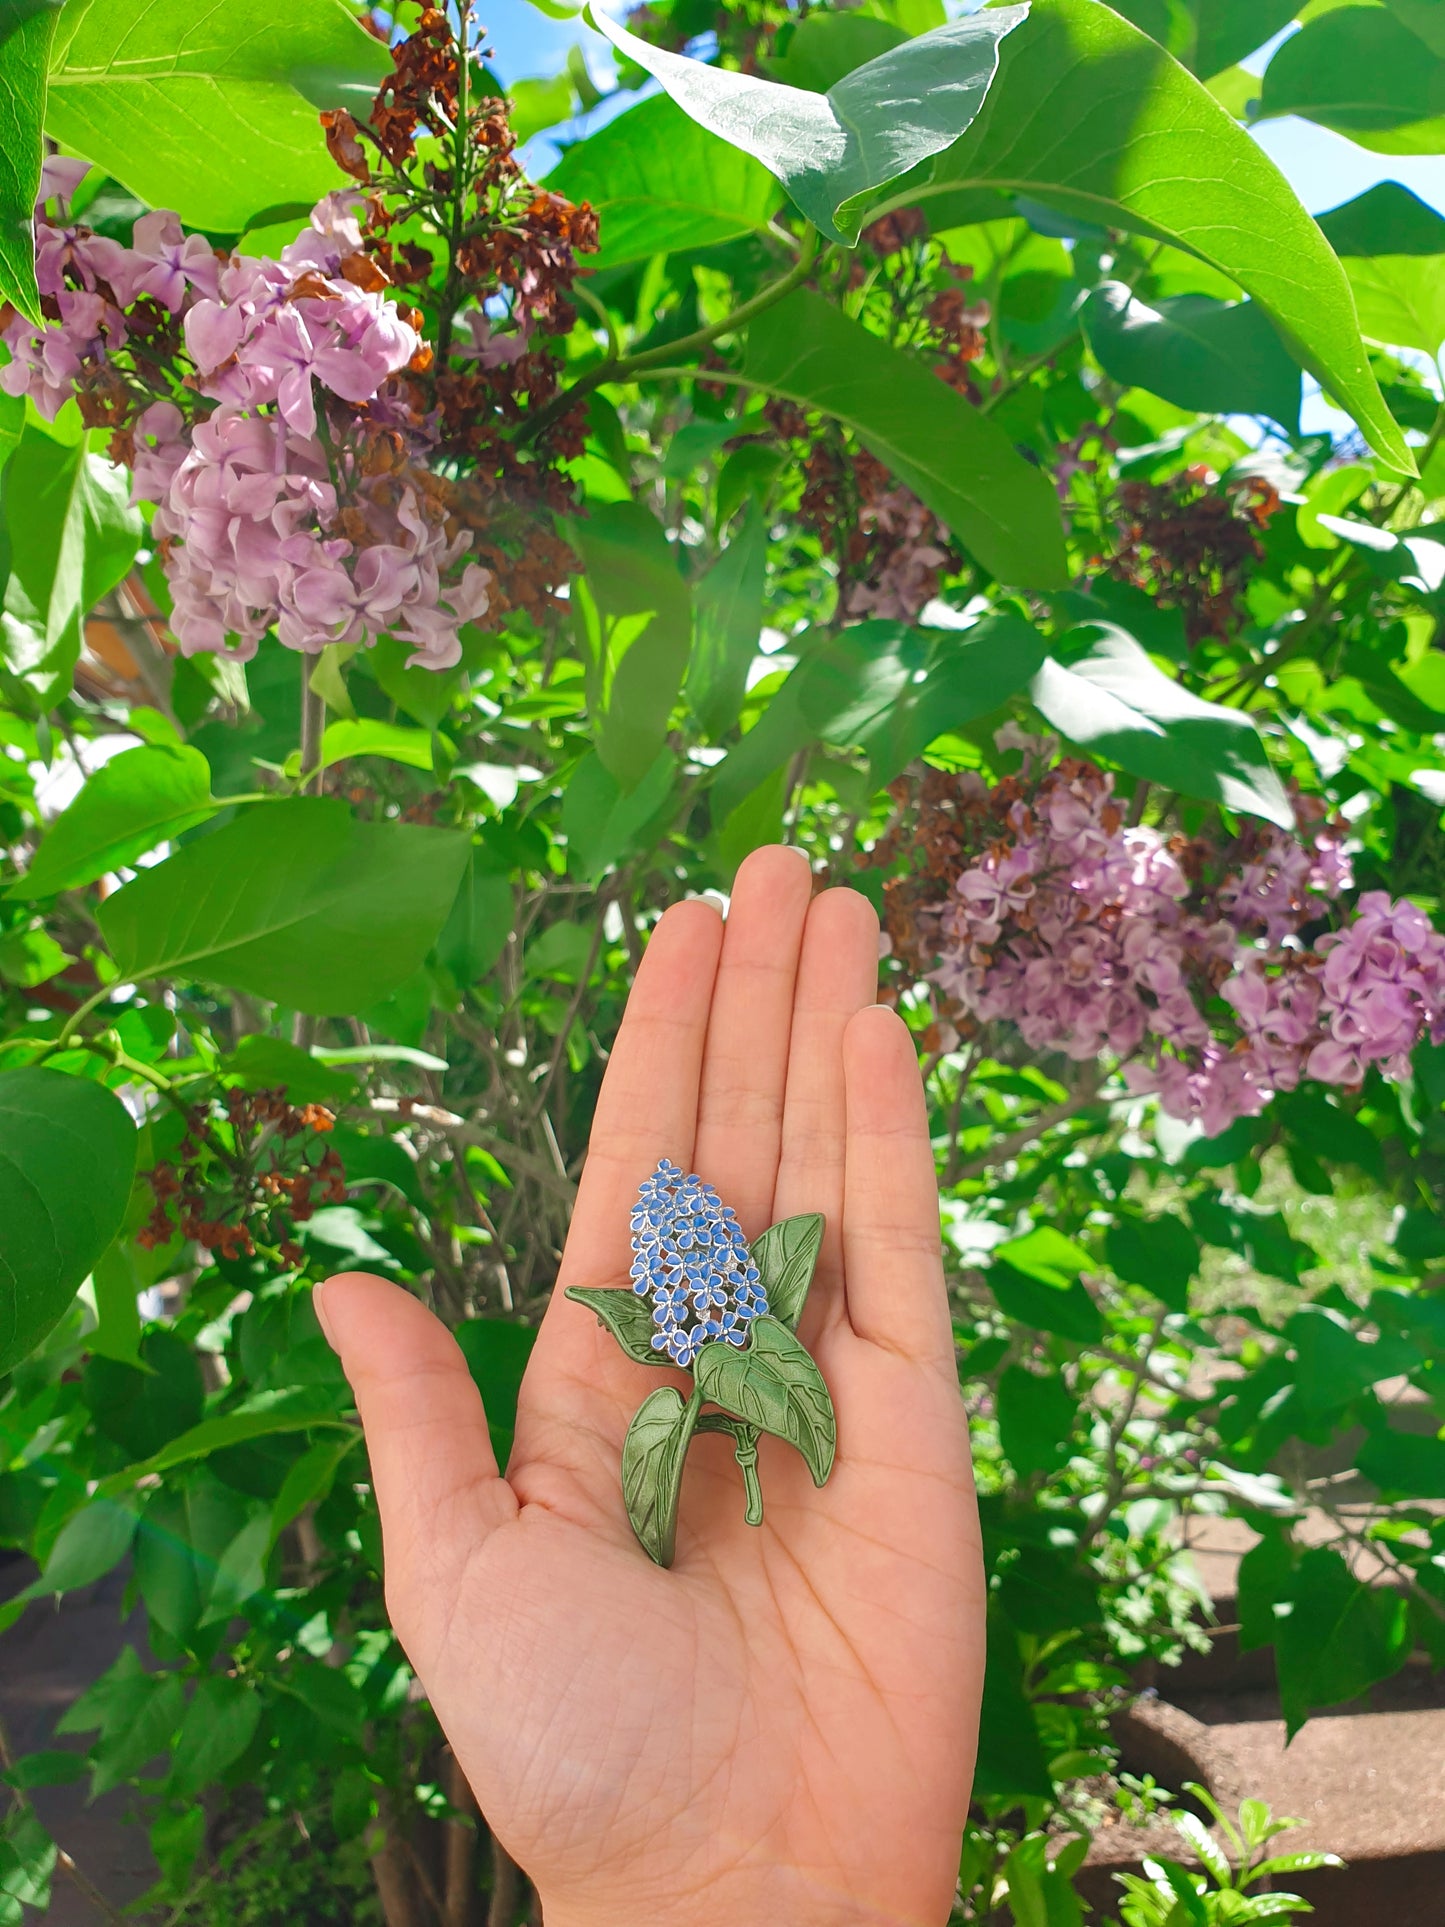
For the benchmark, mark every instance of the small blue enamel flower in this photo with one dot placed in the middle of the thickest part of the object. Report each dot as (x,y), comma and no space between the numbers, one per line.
(692,1258)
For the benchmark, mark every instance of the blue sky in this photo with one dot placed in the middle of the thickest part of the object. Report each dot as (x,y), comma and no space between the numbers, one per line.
(1324,168)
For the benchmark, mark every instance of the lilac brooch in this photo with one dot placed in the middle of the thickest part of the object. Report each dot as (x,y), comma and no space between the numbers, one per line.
(703,1300)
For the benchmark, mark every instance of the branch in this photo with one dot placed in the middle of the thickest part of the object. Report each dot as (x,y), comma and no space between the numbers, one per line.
(624,367)
(1005,1147)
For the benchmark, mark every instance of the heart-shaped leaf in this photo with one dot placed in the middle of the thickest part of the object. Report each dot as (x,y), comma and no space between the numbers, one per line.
(296,901)
(135,801)
(774,1385)
(1113,702)
(833,152)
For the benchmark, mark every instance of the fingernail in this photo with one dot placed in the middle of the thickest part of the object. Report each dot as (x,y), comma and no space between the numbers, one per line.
(318,1303)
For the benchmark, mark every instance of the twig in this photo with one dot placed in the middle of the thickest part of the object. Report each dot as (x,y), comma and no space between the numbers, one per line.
(80,1881)
(1005,1147)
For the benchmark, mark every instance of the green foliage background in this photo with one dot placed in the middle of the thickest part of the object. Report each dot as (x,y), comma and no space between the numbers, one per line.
(1152,1326)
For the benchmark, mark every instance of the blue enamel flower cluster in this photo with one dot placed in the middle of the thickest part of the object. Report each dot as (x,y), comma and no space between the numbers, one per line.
(691,1256)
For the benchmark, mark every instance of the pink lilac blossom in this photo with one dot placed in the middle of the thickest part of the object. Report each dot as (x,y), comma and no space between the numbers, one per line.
(286,466)
(1095,937)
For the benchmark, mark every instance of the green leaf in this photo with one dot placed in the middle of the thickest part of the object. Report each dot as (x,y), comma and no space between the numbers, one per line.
(166,97)
(1036,1415)
(1045,1254)
(1214,357)
(309,1479)
(786,1255)
(636,622)
(142,1407)
(539,104)
(773,1383)
(825,47)
(1012,1764)
(295,901)
(1404,1465)
(728,619)
(73,535)
(1400,299)
(1064,1308)
(834,151)
(266,1414)
(26,34)
(1385,219)
(1363,73)
(1334,1637)
(262,1063)
(1227,30)
(1161,1254)
(602,824)
(1113,702)
(660,182)
(138,799)
(366,736)
(475,933)
(1071,82)
(89,1544)
(219,1725)
(67,1155)
(628,1318)
(967,675)
(653,1454)
(497,1351)
(961,463)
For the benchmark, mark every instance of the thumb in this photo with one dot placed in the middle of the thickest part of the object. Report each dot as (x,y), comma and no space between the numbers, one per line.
(432,1465)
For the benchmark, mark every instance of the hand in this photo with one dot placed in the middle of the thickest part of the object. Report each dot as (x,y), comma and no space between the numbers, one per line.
(779,1731)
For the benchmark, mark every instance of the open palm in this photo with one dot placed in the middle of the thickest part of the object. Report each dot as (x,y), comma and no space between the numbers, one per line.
(779,1730)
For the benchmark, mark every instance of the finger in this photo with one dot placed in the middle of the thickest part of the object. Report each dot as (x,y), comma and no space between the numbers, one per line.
(432,1465)
(837,977)
(647,1109)
(892,1260)
(745,1062)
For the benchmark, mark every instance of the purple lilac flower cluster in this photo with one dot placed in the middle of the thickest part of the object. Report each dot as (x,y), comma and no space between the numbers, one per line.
(265,417)
(1096,937)
(691,1257)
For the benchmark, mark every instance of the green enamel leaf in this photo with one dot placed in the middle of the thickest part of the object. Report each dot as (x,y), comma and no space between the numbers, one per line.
(775,1385)
(211,110)
(67,1155)
(653,1454)
(135,801)
(295,901)
(833,152)
(1096,119)
(786,1255)
(627,1317)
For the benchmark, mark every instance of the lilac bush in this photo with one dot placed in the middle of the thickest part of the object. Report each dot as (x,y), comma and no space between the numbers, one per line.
(279,441)
(1198,966)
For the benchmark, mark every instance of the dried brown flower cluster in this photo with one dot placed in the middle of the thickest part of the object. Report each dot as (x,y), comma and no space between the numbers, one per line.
(487,377)
(891,550)
(262,1170)
(1190,542)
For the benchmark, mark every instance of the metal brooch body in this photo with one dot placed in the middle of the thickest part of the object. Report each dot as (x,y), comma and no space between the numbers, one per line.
(705,1301)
